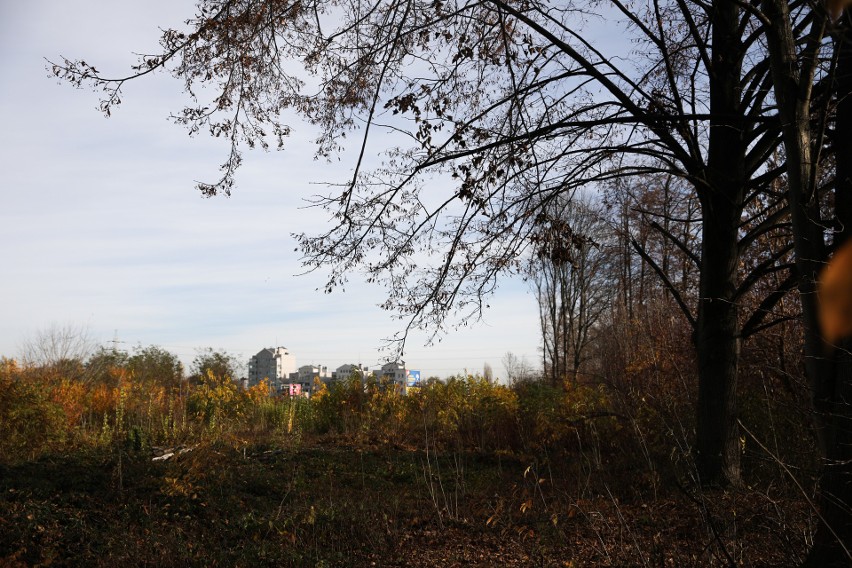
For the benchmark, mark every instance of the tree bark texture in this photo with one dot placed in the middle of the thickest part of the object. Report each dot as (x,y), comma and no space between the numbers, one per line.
(717,332)
(718,349)
(828,367)
(832,386)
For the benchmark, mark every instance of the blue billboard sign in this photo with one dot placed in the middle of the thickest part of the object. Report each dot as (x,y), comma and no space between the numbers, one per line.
(413,379)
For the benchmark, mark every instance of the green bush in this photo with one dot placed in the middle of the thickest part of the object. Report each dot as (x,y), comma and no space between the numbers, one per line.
(30,420)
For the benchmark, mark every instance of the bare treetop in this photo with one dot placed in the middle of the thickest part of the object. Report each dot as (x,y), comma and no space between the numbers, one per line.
(486,111)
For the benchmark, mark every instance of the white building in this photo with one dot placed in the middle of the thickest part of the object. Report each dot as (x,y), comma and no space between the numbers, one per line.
(343,372)
(274,364)
(305,376)
(394,372)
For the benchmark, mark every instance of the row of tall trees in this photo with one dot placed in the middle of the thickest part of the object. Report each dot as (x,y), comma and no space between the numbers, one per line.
(622,263)
(570,279)
(495,114)
(69,352)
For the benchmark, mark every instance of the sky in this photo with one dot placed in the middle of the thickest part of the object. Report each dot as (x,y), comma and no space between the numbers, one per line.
(101,226)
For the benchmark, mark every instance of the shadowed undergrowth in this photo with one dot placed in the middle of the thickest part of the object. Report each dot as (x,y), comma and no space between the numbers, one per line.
(338,505)
(461,472)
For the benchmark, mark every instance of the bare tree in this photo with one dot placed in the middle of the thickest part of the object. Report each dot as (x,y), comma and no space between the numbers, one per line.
(61,347)
(658,226)
(510,105)
(800,87)
(518,370)
(570,277)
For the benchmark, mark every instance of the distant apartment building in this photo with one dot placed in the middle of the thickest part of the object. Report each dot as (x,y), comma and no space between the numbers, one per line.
(278,365)
(393,372)
(275,364)
(343,372)
(304,377)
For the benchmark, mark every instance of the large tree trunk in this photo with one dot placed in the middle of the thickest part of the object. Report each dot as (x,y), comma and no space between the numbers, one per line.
(829,367)
(717,332)
(718,349)
(832,382)
(832,545)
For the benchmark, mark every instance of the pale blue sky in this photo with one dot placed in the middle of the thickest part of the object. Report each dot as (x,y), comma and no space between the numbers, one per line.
(100,224)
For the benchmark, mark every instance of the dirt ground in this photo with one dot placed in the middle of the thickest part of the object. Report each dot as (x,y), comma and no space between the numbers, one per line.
(347,506)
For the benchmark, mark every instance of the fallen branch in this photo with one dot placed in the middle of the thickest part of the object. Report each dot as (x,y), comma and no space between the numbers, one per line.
(164,454)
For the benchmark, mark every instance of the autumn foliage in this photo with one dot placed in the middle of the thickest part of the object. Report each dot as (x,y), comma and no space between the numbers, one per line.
(527,466)
(633,411)
(45,412)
